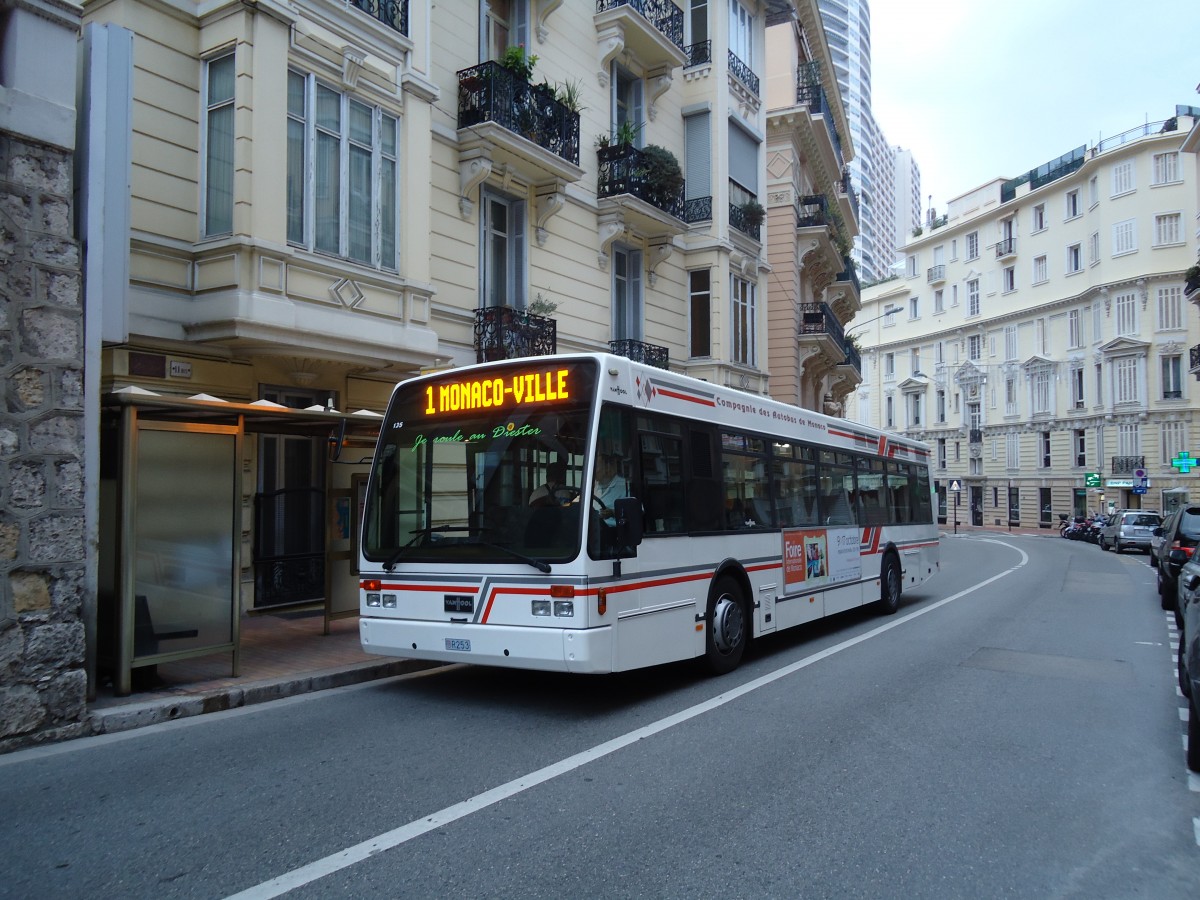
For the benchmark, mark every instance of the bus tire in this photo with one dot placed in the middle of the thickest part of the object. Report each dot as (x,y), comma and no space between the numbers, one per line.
(727,627)
(890,584)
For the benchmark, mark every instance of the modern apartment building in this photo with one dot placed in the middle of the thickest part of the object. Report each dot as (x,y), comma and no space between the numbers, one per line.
(1040,338)
(848,29)
(293,206)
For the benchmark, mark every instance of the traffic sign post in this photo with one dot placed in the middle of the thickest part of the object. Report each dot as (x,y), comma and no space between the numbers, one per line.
(956,489)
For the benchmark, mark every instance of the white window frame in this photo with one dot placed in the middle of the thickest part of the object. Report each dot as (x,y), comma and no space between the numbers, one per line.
(1125,383)
(1170,307)
(1041,271)
(1125,313)
(1122,178)
(744,309)
(973,297)
(217,153)
(1170,370)
(1039,218)
(311,210)
(1165,168)
(1072,209)
(628,300)
(972,246)
(1168,229)
(1124,237)
(1074,259)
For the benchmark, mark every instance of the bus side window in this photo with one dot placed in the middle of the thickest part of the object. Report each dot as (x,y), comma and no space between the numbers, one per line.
(661,490)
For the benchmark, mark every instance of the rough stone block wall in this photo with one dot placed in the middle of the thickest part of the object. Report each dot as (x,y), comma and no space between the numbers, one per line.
(43,683)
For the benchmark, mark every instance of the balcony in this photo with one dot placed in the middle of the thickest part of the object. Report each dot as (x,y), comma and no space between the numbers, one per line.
(746,214)
(853,358)
(698,54)
(1191,284)
(1006,247)
(849,275)
(848,198)
(975,436)
(815,224)
(810,93)
(639,351)
(1124,465)
(812,211)
(391,13)
(651,30)
(506,120)
(630,179)
(1194,361)
(743,73)
(504,332)
(935,274)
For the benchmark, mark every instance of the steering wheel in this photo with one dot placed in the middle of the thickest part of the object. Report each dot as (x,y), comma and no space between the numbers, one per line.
(566,495)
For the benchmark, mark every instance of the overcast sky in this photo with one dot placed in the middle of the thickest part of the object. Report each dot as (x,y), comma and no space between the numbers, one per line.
(980,89)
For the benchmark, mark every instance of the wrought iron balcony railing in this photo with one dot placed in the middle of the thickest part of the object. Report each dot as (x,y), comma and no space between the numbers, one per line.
(639,351)
(662,14)
(849,274)
(818,318)
(505,332)
(743,73)
(392,13)
(975,436)
(697,209)
(1194,359)
(935,274)
(744,222)
(810,93)
(853,358)
(489,92)
(812,211)
(1006,247)
(1124,465)
(847,188)
(625,169)
(698,54)
(1191,285)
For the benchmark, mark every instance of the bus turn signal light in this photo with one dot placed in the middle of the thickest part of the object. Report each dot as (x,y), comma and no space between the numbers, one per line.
(370,584)
(562,591)
(601,601)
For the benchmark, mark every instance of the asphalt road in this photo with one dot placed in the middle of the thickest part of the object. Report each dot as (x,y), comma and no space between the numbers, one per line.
(1014,731)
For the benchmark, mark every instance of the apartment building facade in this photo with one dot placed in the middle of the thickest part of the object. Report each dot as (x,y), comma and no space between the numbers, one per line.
(290,207)
(1039,339)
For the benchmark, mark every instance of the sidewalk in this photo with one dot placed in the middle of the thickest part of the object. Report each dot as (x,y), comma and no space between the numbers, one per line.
(282,655)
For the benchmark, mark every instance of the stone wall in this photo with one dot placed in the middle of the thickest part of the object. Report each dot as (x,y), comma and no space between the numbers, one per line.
(43,681)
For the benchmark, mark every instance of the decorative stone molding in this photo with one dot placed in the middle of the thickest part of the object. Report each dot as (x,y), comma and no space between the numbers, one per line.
(612,42)
(473,167)
(546,205)
(657,254)
(544,9)
(353,59)
(611,227)
(657,84)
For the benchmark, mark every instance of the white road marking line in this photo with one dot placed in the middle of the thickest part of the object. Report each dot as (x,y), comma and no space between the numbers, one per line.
(1196,830)
(390,839)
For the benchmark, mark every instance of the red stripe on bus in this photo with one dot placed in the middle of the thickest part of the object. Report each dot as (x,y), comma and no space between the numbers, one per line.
(678,396)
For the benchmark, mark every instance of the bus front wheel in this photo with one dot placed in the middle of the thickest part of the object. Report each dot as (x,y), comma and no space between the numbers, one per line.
(728,629)
(890,582)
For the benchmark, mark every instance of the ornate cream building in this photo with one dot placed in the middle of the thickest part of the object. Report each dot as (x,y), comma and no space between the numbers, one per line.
(1040,339)
(290,206)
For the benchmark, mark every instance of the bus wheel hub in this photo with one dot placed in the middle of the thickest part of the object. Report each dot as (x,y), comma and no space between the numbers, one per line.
(727,624)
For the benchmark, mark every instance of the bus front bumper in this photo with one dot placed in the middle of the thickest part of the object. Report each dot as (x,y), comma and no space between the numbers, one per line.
(580,651)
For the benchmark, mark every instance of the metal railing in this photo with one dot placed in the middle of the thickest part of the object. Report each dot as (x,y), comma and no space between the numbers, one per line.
(640,351)
(743,73)
(664,15)
(818,318)
(489,92)
(697,209)
(812,211)
(975,436)
(625,169)
(1124,465)
(1194,358)
(505,332)
(849,274)
(392,13)
(698,54)
(810,93)
(1006,247)
(935,273)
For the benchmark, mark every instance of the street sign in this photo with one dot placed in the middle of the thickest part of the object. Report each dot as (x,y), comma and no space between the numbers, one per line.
(955,485)
(1091,479)
(1184,462)
(1139,490)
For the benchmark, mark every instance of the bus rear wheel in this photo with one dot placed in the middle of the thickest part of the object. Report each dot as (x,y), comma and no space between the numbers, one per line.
(728,628)
(890,583)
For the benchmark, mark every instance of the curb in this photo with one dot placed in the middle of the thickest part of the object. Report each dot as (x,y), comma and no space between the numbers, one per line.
(126,717)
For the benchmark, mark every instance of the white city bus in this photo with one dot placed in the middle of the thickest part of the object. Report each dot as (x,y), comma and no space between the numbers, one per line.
(740,516)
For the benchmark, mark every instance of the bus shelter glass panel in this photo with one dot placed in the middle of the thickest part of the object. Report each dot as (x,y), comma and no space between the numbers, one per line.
(184,587)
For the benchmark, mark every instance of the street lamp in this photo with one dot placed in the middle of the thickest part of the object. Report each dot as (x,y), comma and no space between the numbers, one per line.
(890,312)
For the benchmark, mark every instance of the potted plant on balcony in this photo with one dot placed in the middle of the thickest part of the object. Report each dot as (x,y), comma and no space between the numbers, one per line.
(753,213)
(518,62)
(1192,279)
(662,174)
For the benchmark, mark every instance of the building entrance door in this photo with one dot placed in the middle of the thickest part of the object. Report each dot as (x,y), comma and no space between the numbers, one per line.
(289,512)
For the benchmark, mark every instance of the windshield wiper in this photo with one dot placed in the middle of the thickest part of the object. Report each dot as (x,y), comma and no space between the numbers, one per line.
(417,534)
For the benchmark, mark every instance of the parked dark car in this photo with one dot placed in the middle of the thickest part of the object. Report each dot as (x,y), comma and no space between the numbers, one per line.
(1180,531)
(1189,650)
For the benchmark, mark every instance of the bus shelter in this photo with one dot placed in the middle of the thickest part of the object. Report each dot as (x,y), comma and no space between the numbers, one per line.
(175,522)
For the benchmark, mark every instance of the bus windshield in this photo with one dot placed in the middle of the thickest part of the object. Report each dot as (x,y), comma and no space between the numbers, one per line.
(483,467)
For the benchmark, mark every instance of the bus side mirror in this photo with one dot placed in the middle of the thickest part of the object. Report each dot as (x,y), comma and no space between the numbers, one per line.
(629,524)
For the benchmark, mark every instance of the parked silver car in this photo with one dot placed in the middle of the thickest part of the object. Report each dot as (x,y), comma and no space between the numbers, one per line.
(1130,528)
(1189,648)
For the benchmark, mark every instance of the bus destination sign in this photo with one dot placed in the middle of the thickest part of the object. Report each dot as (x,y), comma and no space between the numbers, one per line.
(498,391)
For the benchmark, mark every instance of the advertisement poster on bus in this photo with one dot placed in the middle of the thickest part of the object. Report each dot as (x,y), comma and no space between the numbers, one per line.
(818,557)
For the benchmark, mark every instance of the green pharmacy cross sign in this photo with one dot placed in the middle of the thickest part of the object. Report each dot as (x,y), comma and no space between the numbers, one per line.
(1184,462)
